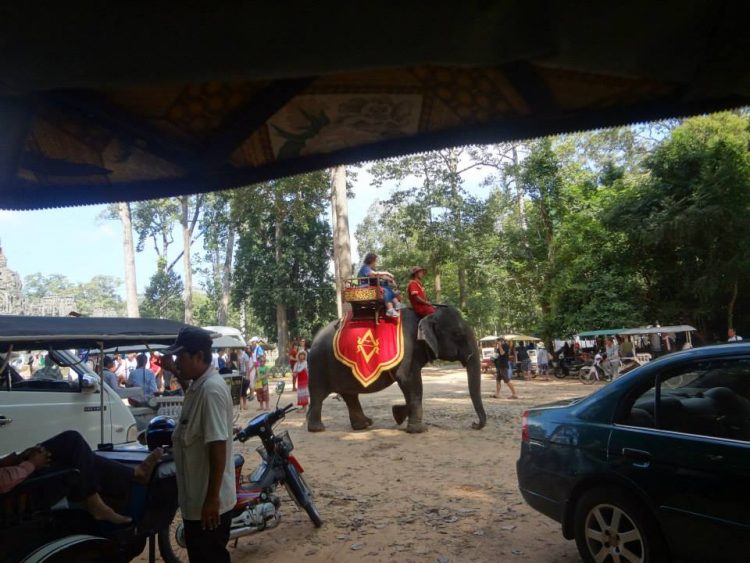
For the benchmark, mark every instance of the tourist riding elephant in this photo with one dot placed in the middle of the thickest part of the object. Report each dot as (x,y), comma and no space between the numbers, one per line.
(447,336)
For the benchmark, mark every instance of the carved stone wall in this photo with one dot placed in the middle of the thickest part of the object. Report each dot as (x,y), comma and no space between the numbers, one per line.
(11,296)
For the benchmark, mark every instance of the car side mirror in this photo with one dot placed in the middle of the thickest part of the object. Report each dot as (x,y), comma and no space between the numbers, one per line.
(89,384)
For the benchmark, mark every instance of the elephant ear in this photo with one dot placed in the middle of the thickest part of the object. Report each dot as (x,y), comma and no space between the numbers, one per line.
(426,332)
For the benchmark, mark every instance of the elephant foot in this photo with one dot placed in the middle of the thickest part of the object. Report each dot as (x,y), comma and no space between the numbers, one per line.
(315,426)
(361,424)
(416,427)
(400,412)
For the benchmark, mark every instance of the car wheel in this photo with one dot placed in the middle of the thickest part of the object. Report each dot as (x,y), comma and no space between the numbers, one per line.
(610,527)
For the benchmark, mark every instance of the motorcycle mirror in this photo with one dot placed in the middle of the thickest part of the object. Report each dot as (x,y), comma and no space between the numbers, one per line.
(279,391)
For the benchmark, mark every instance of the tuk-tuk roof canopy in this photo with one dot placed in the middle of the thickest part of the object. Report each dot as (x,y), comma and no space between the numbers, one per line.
(657,330)
(104,103)
(602,332)
(38,333)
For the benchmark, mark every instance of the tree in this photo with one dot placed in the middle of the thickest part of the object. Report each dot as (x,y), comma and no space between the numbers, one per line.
(122,212)
(188,221)
(283,257)
(435,203)
(163,296)
(687,221)
(219,226)
(155,220)
(131,290)
(38,285)
(99,296)
(96,297)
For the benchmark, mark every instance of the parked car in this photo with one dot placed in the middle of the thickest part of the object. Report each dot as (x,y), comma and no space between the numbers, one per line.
(654,466)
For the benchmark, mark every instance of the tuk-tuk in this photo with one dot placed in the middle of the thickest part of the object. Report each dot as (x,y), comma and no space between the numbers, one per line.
(36,522)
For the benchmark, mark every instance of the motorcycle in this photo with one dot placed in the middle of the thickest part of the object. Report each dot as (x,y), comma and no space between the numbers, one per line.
(597,371)
(258,505)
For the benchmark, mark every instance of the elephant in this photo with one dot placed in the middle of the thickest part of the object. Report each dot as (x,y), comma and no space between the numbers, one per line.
(446,335)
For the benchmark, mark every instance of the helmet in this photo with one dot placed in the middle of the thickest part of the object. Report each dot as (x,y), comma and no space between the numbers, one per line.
(159,432)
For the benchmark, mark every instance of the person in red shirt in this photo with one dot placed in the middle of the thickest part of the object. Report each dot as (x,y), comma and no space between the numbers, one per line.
(417,296)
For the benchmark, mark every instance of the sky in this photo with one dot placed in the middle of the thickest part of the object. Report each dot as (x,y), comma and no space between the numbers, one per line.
(78,244)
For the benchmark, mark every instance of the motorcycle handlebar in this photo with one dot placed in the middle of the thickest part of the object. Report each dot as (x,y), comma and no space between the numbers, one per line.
(273,418)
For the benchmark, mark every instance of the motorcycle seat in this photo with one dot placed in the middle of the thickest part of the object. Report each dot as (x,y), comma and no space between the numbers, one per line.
(239,460)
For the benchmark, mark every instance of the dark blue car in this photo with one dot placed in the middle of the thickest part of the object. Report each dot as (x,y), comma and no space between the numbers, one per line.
(653,467)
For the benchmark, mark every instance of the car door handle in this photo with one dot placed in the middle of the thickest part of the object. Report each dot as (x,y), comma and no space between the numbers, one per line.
(4,420)
(642,457)
(714,457)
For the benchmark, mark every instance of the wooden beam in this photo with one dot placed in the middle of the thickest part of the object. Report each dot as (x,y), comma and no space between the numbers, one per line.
(525,80)
(249,117)
(98,109)
(15,122)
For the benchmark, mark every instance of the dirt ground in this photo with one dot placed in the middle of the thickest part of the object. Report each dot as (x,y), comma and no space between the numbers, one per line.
(449,495)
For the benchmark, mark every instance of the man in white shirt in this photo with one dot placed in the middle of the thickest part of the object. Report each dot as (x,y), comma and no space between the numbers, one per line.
(733,336)
(247,371)
(202,445)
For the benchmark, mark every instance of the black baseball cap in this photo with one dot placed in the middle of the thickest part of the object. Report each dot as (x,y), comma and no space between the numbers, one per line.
(190,338)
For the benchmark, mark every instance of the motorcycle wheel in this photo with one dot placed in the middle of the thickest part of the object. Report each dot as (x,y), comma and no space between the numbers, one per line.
(559,374)
(301,494)
(171,542)
(586,375)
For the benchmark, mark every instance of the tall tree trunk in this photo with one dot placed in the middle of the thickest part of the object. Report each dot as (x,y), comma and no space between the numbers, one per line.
(226,281)
(462,288)
(336,270)
(282,325)
(187,263)
(342,248)
(438,282)
(519,190)
(732,301)
(131,290)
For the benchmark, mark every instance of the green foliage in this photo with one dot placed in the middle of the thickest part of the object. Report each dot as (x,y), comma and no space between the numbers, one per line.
(619,227)
(96,296)
(687,222)
(163,296)
(283,254)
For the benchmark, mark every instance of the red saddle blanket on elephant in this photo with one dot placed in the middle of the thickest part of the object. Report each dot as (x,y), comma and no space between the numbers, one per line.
(369,348)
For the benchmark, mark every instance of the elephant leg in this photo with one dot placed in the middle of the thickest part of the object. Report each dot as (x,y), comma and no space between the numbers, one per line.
(356,415)
(414,402)
(314,414)
(401,412)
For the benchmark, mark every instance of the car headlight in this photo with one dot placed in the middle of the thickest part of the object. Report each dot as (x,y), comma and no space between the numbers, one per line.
(132,435)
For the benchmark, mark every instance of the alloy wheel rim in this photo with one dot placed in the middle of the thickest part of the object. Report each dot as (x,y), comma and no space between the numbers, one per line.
(612,536)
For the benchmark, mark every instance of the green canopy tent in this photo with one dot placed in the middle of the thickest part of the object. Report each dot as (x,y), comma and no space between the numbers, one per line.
(103,102)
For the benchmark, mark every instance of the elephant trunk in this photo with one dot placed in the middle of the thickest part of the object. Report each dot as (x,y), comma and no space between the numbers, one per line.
(474,374)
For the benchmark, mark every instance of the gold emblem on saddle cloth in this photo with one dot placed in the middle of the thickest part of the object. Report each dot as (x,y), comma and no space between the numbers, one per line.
(368,345)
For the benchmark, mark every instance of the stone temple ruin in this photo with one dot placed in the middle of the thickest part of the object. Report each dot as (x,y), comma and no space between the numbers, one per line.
(13,303)
(11,297)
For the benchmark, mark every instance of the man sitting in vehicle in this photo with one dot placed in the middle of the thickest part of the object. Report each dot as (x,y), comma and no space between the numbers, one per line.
(143,377)
(70,451)
(50,371)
